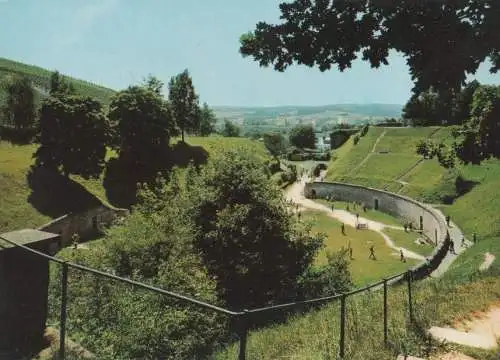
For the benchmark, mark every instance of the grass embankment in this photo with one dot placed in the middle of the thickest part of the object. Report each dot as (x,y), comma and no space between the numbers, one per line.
(363,269)
(40,78)
(31,203)
(461,291)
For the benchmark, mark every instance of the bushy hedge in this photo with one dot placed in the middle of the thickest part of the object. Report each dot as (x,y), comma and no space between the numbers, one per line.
(356,139)
(18,136)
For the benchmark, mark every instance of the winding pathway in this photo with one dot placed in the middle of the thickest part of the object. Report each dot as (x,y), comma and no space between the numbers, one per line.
(295,194)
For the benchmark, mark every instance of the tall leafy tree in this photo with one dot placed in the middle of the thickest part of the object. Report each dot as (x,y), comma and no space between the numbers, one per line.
(142,127)
(19,109)
(275,143)
(443,41)
(59,85)
(207,120)
(74,132)
(302,136)
(245,232)
(479,138)
(230,129)
(184,103)
(463,102)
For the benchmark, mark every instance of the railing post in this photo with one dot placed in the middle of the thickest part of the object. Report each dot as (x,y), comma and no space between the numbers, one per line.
(436,236)
(64,299)
(385,312)
(410,302)
(342,326)
(243,334)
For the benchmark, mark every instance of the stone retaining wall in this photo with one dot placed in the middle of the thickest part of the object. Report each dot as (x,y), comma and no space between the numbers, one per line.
(429,220)
(86,224)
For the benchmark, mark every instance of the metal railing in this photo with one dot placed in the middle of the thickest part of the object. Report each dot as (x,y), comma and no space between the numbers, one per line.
(243,318)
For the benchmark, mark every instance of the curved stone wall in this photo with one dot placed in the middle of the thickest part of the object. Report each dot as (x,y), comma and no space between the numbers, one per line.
(429,220)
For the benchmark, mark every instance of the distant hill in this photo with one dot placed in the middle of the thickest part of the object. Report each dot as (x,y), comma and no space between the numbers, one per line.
(326,115)
(40,79)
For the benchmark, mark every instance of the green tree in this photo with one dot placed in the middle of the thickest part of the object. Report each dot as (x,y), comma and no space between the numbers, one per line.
(19,109)
(246,233)
(154,84)
(142,127)
(184,103)
(439,54)
(463,102)
(207,120)
(302,136)
(230,129)
(275,144)
(59,85)
(74,133)
(478,139)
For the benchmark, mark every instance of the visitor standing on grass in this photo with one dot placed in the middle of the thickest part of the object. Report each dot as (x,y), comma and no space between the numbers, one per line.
(372,253)
(342,228)
(402,255)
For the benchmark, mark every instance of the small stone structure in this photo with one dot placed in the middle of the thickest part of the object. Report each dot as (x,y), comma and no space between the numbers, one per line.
(24,279)
(425,218)
(86,224)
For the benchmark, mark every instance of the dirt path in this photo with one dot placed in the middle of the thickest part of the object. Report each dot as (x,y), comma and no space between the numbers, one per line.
(295,194)
(481,332)
(488,260)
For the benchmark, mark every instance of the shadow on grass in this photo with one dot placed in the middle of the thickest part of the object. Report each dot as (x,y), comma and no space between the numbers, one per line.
(122,176)
(182,154)
(55,195)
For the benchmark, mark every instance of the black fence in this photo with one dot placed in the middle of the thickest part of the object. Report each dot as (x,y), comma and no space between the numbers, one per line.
(244,319)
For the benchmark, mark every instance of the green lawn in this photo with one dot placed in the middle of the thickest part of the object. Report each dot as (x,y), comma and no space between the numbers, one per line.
(408,241)
(386,166)
(363,270)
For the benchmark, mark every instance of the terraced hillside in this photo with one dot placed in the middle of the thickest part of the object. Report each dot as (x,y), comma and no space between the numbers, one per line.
(463,291)
(385,158)
(40,79)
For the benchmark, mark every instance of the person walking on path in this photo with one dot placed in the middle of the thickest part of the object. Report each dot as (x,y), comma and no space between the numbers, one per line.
(448,220)
(372,253)
(402,255)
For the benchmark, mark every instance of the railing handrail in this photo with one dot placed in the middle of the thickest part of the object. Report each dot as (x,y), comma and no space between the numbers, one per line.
(125,280)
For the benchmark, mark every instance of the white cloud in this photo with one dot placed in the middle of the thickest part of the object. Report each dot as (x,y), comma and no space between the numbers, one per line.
(84,18)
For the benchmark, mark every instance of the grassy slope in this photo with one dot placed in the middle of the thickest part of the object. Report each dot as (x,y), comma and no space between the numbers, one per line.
(15,210)
(41,78)
(437,302)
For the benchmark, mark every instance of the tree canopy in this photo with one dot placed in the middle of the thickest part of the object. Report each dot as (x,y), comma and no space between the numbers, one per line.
(275,143)
(184,103)
(207,120)
(19,109)
(442,41)
(230,129)
(142,127)
(74,132)
(302,136)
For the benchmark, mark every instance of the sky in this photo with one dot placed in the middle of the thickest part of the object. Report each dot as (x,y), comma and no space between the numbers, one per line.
(116,43)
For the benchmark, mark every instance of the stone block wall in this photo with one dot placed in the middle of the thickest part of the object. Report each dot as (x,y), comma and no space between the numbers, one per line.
(86,224)
(432,221)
